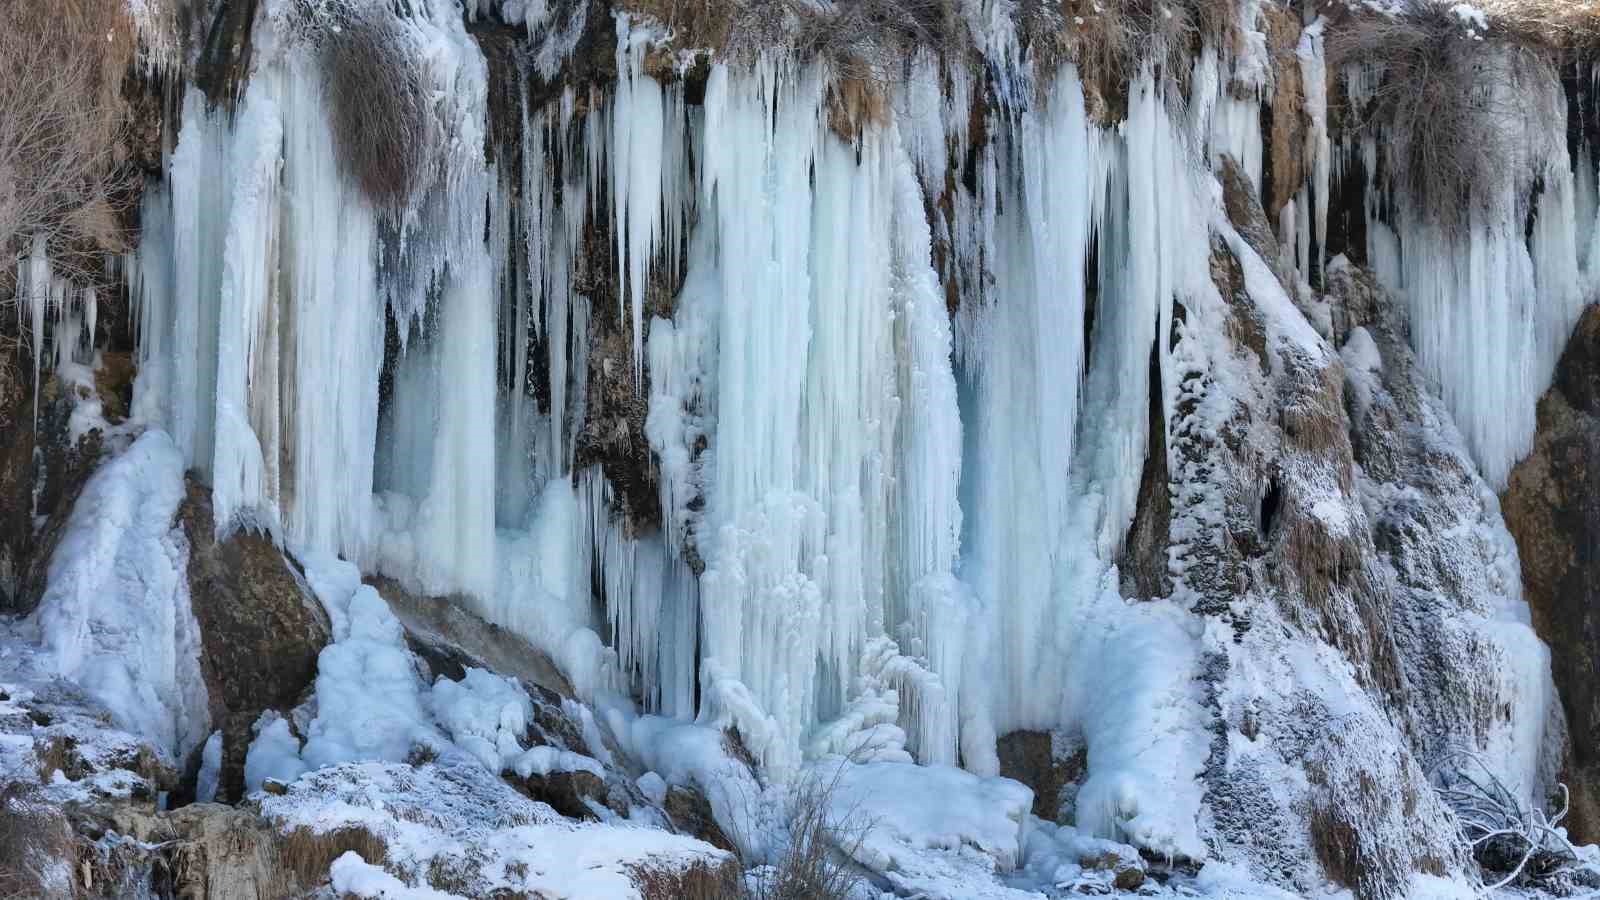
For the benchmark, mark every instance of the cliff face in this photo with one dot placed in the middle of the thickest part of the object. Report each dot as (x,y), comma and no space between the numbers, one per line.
(1550,508)
(727,399)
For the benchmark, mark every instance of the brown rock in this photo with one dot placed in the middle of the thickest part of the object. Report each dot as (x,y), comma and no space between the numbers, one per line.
(1284,170)
(566,792)
(203,851)
(1046,762)
(1128,874)
(1552,508)
(691,814)
(41,474)
(260,629)
(1242,202)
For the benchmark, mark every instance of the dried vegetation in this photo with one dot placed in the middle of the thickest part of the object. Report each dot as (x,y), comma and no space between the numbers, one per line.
(378,98)
(62,120)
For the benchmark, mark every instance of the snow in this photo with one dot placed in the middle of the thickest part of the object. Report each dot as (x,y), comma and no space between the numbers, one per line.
(546,760)
(273,753)
(1136,696)
(351,875)
(452,821)
(906,809)
(486,715)
(115,614)
(370,703)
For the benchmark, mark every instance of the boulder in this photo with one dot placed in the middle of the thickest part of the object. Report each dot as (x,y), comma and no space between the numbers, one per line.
(691,814)
(1052,764)
(261,629)
(568,793)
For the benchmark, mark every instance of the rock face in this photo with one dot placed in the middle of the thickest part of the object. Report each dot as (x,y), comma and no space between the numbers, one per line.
(260,629)
(1052,764)
(1552,507)
(42,469)
(204,851)
(1353,568)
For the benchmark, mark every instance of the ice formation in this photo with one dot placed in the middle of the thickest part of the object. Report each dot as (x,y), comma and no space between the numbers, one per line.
(1492,301)
(115,616)
(881,525)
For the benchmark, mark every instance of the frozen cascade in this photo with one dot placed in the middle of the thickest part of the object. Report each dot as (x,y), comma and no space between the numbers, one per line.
(261,327)
(263,252)
(1314,80)
(1022,355)
(904,523)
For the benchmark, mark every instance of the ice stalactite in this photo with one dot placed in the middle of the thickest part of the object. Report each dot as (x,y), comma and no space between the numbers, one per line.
(1022,353)
(927,608)
(1312,203)
(763,540)
(649,177)
(290,255)
(47,295)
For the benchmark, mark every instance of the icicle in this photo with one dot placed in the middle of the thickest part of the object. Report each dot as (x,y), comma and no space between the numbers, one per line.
(1490,306)
(245,463)
(761,602)
(35,272)
(638,136)
(1314,78)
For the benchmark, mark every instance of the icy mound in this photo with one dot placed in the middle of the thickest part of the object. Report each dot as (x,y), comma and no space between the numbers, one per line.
(115,617)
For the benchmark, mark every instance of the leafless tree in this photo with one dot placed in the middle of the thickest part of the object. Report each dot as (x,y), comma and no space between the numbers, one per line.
(1510,839)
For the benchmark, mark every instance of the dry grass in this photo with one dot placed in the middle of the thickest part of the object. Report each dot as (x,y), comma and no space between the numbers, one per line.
(866,45)
(1110,41)
(377,92)
(1444,105)
(1562,24)
(698,881)
(309,853)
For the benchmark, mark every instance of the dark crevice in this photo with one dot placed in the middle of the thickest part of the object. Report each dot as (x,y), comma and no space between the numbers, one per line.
(1269,506)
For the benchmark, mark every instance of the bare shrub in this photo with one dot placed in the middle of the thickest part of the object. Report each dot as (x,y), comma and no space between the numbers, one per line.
(61,128)
(817,862)
(378,98)
(1508,839)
